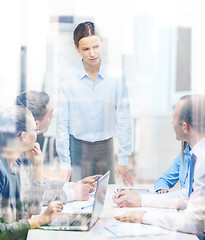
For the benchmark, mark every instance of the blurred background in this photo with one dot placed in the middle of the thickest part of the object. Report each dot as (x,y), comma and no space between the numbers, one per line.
(159,44)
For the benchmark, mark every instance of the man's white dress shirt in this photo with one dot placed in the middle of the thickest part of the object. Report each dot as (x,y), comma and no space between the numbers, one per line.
(192,219)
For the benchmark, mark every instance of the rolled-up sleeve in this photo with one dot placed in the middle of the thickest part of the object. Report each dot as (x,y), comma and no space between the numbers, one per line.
(123,122)
(170,177)
(62,134)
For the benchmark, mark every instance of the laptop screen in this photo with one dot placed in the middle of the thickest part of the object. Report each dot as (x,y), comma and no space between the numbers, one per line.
(100,194)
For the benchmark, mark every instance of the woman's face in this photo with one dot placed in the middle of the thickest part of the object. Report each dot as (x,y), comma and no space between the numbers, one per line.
(90,49)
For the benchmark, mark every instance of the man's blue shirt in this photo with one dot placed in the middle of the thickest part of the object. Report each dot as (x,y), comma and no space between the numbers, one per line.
(178,171)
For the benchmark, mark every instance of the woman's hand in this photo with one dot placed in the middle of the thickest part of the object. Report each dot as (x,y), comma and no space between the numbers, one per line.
(81,191)
(90,179)
(53,210)
(125,174)
(35,155)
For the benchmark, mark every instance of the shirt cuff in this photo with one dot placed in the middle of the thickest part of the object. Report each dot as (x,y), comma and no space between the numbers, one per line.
(150,217)
(65,166)
(160,187)
(67,187)
(65,162)
(122,161)
(148,200)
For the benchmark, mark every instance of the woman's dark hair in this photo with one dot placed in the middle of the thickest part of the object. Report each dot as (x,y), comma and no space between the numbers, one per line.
(12,121)
(84,29)
(35,101)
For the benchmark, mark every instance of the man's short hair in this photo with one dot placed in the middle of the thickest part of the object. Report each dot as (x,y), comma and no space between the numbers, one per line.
(193,112)
(35,101)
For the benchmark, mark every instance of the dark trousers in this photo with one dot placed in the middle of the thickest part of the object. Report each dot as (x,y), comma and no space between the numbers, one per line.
(89,158)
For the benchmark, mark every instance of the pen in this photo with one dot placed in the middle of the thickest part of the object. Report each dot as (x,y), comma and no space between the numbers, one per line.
(119,190)
(57,198)
(87,206)
(95,180)
(111,231)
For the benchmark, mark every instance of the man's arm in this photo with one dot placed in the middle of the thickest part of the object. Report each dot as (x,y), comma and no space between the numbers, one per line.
(189,220)
(192,219)
(172,200)
(170,177)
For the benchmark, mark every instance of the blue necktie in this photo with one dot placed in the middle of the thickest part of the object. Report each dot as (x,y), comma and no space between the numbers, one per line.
(191,179)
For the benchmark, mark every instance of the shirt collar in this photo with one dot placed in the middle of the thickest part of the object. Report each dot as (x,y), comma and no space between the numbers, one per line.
(102,71)
(14,168)
(187,150)
(83,73)
(199,148)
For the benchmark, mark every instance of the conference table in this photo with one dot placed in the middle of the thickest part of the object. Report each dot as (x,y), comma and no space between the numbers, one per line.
(103,229)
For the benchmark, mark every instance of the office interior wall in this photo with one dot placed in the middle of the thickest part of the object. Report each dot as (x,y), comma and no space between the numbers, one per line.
(140,37)
(149,71)
(157,146)
(10,29)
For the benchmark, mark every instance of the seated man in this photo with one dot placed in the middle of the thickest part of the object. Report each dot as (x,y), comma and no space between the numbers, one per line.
(189,125)
(39,105)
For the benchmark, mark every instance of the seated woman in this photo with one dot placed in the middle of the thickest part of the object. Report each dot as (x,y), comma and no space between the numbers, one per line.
(17,135)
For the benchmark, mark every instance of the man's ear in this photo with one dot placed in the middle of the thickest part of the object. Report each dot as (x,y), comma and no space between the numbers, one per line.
(77,49)
(186,127)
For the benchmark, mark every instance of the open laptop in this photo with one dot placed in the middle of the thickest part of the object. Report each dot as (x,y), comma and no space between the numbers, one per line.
(82,221)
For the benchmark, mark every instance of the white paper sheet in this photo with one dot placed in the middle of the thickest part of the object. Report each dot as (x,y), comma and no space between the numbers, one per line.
(131,229)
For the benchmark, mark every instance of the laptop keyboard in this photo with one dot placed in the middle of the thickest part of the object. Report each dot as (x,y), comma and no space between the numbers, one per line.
(72,219)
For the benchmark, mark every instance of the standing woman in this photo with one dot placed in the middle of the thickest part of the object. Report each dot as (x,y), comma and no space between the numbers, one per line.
(93,104)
